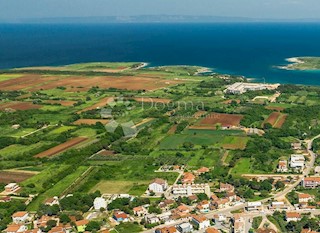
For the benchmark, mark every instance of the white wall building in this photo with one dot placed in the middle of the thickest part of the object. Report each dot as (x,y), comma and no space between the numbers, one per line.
(20,217)
(158,186)
(201,221)
(191,189)
(297,161)
(254,206)
(99,203)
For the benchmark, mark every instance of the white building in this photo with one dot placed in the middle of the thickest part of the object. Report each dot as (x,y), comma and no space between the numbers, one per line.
(15,228)
(158,185)
(191,189)
(278,205)
(240,88)
(293,216)
(297,161)
(254,206)
(11,188)
(20,217)
(200,221)
(99,203)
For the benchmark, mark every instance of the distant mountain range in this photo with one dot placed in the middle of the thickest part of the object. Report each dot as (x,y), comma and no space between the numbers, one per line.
(151,19)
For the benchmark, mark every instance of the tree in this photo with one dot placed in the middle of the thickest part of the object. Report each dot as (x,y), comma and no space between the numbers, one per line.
(64,218)
(93,226)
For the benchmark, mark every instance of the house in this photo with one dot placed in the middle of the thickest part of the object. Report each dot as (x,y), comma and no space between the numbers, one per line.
(81,225)
(15,228)
(311,182)
(158,185)
(202,170)
(203,206)
(212,230)
(151,219)
(226,187)
(20,217)
(185,227)
(200,221)
(317,169)
(297,162)
(282,166)
(5,199)
(296,146)
(188,189)
(254,206)
(42,222)
(167,230)
(293,216)
(11,188)
(238,224)
(52,201)
(183,209)
(305,197)
(164,205)
(57,229)
(120,216)
(140,211)
(188,178)
(219,218)
(308,231)
(221,203)
(99,203)
(278,205)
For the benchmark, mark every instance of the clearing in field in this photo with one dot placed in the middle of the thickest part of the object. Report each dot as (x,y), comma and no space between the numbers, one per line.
(61,148)
(66,103)
(102,103)
(276,119)
(151,100)
(234,143)
(117,187)
(90,121)
(213,119)
(199,114)
(19,106)
(106,152)
(14,176)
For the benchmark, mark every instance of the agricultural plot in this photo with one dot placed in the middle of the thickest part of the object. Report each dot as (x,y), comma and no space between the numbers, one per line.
(214,119)
(151,100)
(65,103)
(61,148)
(19,106)
(14,176)
(234,143)
(90,121)
(276,119)
(11,151)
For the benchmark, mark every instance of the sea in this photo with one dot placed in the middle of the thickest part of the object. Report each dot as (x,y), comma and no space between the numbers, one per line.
(249,49)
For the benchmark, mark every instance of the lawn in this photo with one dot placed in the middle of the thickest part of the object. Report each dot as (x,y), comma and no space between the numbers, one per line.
(118,187)
(17,149)
(243,166)
(4,77)
(60,130)
(128,228)
(234,142)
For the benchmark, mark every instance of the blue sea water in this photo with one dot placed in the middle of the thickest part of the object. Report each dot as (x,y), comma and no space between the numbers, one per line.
(249,49)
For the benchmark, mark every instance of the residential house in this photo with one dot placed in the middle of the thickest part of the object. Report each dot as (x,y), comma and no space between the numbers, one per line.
(120,216)
(297,162)
(99,203)
(311,182)
(221,203)
(57,229)
(5,199)
(202,170)
(140,211)
(203,206)
(188,178)
(254,206)
(52,201)
(151,218)
(296,146)
(190,189)
(11,188)
(305,197)
(167,230)
(293,216)
(238,224)
(185,227)
(212,230)
(20,217)
(81,225)
(278,205)
(42,222)
(217,218)
(158,185)
(200,221)
(15,228)
(226,187)
(282,166)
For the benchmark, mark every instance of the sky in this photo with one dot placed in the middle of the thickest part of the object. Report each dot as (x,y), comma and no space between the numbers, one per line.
(271,9)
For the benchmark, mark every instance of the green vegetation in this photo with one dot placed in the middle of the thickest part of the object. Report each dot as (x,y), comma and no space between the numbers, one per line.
(303,63)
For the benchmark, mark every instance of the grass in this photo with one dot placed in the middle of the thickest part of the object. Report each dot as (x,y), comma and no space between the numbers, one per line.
(16,149)
(4,77)
(117,186)
(60,130)
(242,167)
(234,143)
(57,189)
(85,132)
(128,228)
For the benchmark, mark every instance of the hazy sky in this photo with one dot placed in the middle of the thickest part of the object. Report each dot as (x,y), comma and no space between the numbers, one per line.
(13,9)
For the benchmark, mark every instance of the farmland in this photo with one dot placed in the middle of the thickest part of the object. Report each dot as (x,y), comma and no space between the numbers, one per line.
(54,138)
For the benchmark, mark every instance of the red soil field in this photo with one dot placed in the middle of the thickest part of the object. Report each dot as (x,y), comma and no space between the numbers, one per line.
(90,121)
(65,103)
(106,153)
(199,114)
(35,82)
(173,129)
(14,176)
(151,100)
(102,103)
(60,148)
(273,117)
(19,106)
(220,118)
(230,101)
(281,121)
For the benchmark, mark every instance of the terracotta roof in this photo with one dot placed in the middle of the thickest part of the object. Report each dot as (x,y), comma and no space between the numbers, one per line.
(13,228)
(293,215)
(138,209)
(122,215)
(188,177)
(212,230)
(203,170)
(199,218)
(19,214)
(57,230)
(167,229)
(304,195)
(82,222)
(315,179)
(159,181)
(183,208)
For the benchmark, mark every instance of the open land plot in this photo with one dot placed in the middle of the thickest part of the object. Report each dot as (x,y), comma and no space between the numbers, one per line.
(16,105)
(90,121)
(117,186)
(234,143)
(199,114)
(14,176)
(173,129)
(35,82)
(62,147)
(106,152)
(102,103)
(226,120)
(276,119)
(66,103)
(17,149)
(151,100)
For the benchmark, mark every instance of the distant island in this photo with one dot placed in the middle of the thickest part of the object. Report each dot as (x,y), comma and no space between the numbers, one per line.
(302,63)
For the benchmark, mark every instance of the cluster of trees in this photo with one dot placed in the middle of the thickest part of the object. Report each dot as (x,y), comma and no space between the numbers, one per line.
(78,201)
(7,209)
(126,205)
